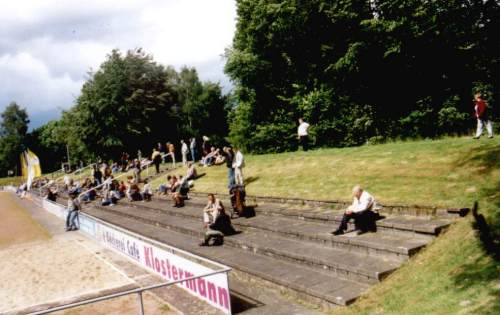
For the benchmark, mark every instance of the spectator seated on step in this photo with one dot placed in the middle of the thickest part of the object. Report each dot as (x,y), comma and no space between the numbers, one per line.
(174,184)
(133,192)
(191,174)
(211,210)
(221,227)
(51,194)
(108,198)
(90,193)
(147,192)
(122,189)
(237,195)
(164,189)
(180,192)
(115,168)
(210,158)
(360,211)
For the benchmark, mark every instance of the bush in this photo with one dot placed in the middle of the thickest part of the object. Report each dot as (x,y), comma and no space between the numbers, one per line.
(450,119)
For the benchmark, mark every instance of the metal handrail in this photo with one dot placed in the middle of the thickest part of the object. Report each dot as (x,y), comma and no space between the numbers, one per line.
(146,166)
(57,179)
(139,292)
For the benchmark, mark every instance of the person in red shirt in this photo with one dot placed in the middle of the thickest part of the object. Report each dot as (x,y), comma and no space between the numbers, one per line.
(481,113)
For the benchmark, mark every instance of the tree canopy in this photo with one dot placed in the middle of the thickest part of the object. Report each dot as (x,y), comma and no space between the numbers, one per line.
(359,70)
(13,129)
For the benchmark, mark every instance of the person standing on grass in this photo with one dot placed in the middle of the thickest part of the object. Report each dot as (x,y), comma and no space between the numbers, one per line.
(72,220)
(206,145)
(229,154)
(171,152)
(238,165)
(359,210)
(303,134)
(192,147)
(137,171)
(481,113)
(184,152)
(156,158)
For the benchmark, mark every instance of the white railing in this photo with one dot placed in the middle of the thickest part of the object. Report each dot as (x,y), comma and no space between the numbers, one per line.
(105,182)
(138,291)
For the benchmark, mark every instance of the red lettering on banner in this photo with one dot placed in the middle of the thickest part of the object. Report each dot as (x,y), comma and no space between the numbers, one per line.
(201,287)
(223,297)
(191,284)
(212,295)
(168,270)
(181,275)
(157,265)
(174,273)
(163,270)
(147,257)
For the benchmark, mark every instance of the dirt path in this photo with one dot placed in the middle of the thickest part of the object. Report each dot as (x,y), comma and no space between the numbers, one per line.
(40,265)
(16,225)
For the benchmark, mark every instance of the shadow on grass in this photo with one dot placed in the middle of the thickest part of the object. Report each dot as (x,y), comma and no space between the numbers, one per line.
(485,158)
(489,240)
(251,179)
(483,271)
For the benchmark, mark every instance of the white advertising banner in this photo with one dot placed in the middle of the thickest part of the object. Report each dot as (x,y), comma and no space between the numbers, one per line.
(160,260)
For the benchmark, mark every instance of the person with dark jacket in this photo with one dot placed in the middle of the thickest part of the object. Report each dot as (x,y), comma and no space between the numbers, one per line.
(97,174)
(229,155)
(156,158)
(221,227)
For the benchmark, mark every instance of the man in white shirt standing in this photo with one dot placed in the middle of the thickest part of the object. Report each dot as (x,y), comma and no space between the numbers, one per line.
(362,203)
(303,134)
(238,165)
(184,152)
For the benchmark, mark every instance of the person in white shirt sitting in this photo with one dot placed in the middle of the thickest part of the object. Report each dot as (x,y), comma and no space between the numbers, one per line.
(147,192)
(362,204)
(211,210)
(303,134)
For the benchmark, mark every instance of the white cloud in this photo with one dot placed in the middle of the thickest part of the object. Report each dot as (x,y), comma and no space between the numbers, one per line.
(30,81)
(46,47)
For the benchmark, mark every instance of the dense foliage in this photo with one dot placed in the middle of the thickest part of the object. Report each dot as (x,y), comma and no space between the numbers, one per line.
(13,129)
(359,71)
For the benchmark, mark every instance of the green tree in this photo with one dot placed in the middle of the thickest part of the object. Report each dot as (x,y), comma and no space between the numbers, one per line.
(377,61)
(127,104)
(13,129)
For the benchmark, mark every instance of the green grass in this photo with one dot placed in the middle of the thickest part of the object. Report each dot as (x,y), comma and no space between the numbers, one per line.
(11,180)
(448,172)
(453,275)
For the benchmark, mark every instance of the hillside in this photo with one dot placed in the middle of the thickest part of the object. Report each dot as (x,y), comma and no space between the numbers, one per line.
(452,276)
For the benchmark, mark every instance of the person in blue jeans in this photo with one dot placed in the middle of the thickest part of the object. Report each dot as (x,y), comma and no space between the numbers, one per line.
(192,148)
(72,220)
(229,154)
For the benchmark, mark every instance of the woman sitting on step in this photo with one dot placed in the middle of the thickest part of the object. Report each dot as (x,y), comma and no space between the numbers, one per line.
(211,210)
(221,227)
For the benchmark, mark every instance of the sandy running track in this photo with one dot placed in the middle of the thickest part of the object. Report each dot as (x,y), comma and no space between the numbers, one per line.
(16,225)
(39,268)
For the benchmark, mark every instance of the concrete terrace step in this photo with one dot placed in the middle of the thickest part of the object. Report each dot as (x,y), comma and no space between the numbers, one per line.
(411,224)
(398,247)
(344,264)
(412,210)
(309,284)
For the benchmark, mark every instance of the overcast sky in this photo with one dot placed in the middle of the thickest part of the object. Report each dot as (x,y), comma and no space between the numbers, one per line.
(47,46)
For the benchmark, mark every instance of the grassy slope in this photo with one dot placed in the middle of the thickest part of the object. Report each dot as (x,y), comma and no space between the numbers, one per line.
(453,275)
